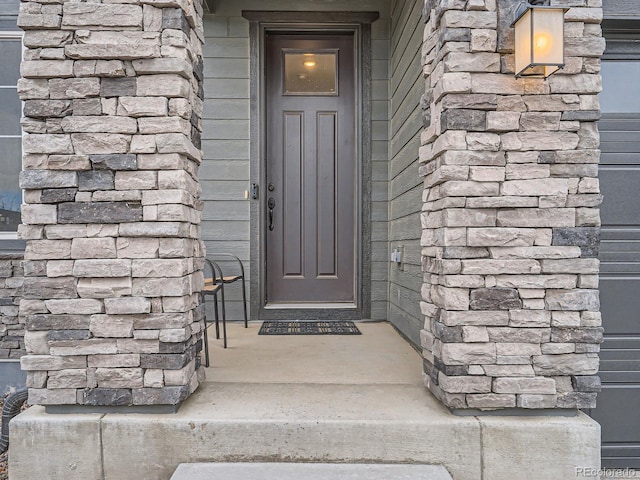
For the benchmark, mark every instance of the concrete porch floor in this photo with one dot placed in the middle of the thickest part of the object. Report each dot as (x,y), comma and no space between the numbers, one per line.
(378,356)
(345,399)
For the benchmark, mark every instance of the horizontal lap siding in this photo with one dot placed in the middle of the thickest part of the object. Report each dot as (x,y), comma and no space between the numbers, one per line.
(379,167)
(224,173)
(405,186)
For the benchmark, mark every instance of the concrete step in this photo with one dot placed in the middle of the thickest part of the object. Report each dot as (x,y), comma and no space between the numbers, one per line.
(308,471)
(300,424)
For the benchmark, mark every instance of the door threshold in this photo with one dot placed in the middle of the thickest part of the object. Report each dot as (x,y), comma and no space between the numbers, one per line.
(302,305)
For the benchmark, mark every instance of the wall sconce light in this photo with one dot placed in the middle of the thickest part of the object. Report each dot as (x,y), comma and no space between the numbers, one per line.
(539,39)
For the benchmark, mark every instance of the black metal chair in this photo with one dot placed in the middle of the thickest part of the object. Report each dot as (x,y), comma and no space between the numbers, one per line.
(219,258)
(212,287)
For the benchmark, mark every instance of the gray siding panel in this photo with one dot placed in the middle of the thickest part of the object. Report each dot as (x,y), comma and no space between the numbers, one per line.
(228,230)
(405,185)
(226,88)
(226,68)
(621,9)
(407,41)
(215,190)
(226,149)
(9,7)
(226,47)
(380,110)
(233,8)
(214,169)
(380,167)
(9,15)
(379,89)
(405,157)
(227,210)
(379,151)
(404,207)
(226,130)
(12,246)
(379,70)
(406,323)
(226,109)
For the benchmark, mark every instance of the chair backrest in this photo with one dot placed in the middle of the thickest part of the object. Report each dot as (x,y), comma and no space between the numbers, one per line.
(211,273)
(229,263)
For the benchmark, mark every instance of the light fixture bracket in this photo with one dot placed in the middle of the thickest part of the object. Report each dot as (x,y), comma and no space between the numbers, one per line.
(521,8)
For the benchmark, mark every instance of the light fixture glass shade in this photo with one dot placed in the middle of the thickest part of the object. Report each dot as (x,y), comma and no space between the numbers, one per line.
(539,41)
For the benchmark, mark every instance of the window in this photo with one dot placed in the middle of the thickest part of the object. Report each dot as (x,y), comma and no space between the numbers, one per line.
(620,93)
(310,73)
(10,134)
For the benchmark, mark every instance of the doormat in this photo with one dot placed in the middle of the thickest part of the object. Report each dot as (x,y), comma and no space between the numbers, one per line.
(308,328)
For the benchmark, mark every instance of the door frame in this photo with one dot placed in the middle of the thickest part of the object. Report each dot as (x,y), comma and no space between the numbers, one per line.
(359,24)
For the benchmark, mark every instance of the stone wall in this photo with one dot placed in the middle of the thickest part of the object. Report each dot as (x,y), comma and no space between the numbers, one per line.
(11,323)
(510,214)
(112,103)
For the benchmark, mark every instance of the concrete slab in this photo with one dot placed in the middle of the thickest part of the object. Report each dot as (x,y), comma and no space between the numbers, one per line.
(43,446)
(293,423)
(539,447)
(378,356)
(307,471)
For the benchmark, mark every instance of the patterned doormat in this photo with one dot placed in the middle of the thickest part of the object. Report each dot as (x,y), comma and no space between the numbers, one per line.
(308,328)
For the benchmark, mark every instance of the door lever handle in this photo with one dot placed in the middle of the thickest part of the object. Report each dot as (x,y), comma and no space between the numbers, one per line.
(271,203)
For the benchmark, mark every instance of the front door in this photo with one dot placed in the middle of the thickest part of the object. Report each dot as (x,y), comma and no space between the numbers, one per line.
(310,170)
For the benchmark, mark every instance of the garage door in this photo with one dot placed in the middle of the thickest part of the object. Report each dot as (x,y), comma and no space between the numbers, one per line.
(618,406)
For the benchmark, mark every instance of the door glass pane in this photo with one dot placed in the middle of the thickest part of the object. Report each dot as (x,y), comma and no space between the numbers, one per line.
(310,73)
(10,194)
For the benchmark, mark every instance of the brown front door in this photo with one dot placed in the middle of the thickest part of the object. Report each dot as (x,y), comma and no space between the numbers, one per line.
(311,169)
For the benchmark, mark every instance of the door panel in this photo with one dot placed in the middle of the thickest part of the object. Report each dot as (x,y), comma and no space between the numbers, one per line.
(617,405)
(292,196)
(311,169)
(618,185)
(327,195)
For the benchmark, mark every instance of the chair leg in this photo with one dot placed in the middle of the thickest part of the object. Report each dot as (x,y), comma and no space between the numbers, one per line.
(224,318)
(205,339)
(244,304)
(215,309)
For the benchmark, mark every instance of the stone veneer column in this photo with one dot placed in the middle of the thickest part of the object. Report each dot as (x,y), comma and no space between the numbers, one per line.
(112,104)
(510,215)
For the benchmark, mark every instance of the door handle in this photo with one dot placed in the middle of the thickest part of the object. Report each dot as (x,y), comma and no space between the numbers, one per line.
(271,203)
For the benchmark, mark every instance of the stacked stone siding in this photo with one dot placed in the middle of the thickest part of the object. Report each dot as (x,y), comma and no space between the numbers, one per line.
(11,323)
(510,214)
(112,103)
